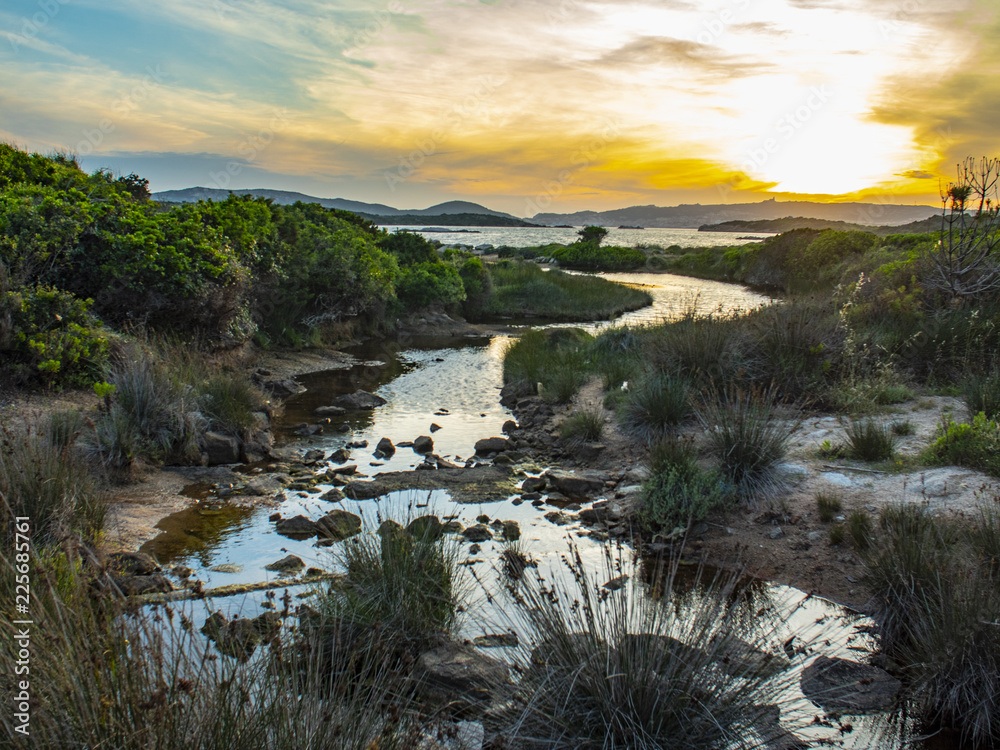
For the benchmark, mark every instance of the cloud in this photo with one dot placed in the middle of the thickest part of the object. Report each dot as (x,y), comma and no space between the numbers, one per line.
(701,59)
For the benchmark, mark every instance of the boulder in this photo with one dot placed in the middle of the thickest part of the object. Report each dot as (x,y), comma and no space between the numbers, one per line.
(338,525)
(558,518)
(312,456)
(221,449)
(423,444)
(839,685)
(533,484)
(574,485)
(262,487)
(340,456)
(456,672)
(332,495)
(290,564)
(509,426)
(282,388)
(510,531)
(131,564)
(478,533)
(491,445)
(426,528)
(385,447)
(359,401)
(297,527)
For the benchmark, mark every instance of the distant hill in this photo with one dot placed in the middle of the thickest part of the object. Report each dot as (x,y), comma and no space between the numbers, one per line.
(448,220)
(694,215)
(930,224)
(285,197)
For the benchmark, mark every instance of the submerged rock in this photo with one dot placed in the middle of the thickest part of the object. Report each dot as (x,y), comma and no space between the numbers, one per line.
(338,525)
(289,564)
(297,527)
(359,401)
(454,671)
(478,533)
(839,685)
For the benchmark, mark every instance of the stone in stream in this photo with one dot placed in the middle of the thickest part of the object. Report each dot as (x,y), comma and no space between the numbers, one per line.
(338,525)
(332,495)
(262,487)
(340,456)
(329,411)
(359,401)
(385,448)
(509,426)
(533,484)
(131,563)
(478,533)
(425,528)
(491,445)
(574,485)
(558,518)
(435,427)
(454,672)
(423,444)
(839,685)
(511,531)
(289,564)
(297,527)
(149,584)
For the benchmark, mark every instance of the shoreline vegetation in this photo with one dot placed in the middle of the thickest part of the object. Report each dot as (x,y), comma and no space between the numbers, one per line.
(157,310)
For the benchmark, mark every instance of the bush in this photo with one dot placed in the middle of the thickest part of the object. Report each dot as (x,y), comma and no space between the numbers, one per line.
(975,445)
(624,669)
(828,505)
(585,256)
(656,405)
(859,525)
(700,347)
(744,434)
(936,601)
(679,496)
(43,479)
(871,440)
(427,284)
(587,424)
(981,393)
(229,401)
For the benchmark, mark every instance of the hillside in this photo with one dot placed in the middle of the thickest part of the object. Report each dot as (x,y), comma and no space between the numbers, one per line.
(447,220)
(695,215)
(777,226)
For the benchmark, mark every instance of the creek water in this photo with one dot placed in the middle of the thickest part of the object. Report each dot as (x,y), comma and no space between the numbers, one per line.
(454,384)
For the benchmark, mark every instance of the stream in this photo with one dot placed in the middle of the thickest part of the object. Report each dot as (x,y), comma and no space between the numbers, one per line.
(454,383)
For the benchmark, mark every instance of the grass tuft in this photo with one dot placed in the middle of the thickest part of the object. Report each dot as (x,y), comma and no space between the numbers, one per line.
(656,406)
(829,506)
(586,424)
(870,440)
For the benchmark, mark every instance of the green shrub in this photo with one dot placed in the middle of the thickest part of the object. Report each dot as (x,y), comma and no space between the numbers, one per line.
(426,284)
(975,445)
(744,434)
(656,405)
(229,401)
(870,440)
(679,496)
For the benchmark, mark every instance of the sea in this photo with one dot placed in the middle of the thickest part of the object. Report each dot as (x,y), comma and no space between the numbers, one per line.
(532,236)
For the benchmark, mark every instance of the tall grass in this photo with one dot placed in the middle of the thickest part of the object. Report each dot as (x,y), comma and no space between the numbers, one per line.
(656,405)
(871,440)
(148,679)
(554,358)
(744,433)
(49,483)
(936,600)
(623,669)
(586,424)
(981,393)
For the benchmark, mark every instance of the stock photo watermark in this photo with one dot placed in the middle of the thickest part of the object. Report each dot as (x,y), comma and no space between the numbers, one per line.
(250,149)
(124,105)
(31,26)
(21,624)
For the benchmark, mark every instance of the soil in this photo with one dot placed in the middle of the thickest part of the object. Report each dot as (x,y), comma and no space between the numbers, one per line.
(782,539)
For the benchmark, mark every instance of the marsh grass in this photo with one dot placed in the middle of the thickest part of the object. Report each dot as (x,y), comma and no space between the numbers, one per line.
(656,405)
(629,669)
(981,393)
(49,483)
(583,425)
(128,678)
(936,599)
(744,433)
(229,400)
(870,440)
(859,526)
(553,358)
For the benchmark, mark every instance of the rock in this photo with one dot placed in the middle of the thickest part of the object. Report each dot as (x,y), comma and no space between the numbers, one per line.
(308,430)
(313,456)
(131,564)
(478,533)
(221,449)
(340,456)
(214,624)
(462,735)
(329,411)
(346,470)
(332,495)
(290,564)
(148,584)
(491,445)
(262,487)
(454,671)
(741,659)
(385,447)
(510,531)
(496,640)
(776,533)
(182,571)
(238,639)
(574,485)
(839,685)
(338,525)
(533,484)
(298,527)
(282,388)
(390,529)
(423,444)
(835,477)
(597,513)
(475,549)
(359,401)
(425,528)
(509,426)
(816,536)
(616,583)
(452,527)
(558,518)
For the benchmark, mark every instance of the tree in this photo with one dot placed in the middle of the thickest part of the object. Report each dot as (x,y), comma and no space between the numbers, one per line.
(965,258)
(592,235)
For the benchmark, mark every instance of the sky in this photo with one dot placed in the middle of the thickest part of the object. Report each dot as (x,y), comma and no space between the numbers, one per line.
(525,106)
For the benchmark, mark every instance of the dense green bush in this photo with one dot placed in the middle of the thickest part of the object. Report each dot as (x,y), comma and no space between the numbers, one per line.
(588,256)
(975,445)
(426,284)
